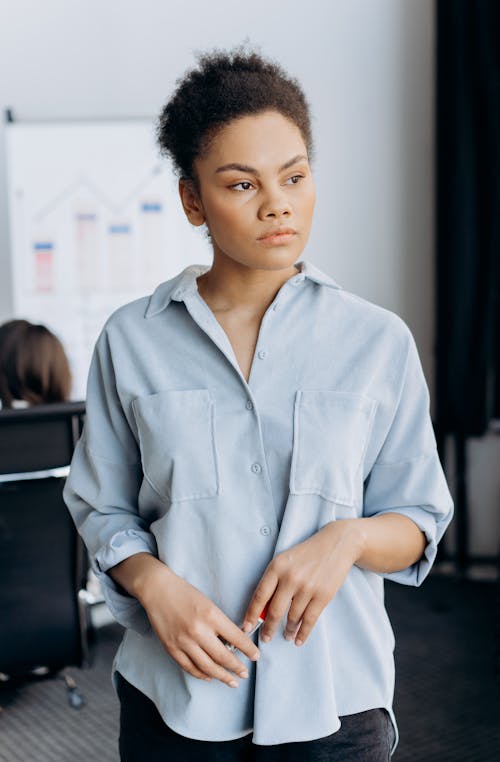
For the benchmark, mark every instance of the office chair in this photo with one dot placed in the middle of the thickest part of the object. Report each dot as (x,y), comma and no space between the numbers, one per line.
(43,564)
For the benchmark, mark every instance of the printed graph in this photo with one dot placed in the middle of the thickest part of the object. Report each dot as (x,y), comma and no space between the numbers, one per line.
(95,222)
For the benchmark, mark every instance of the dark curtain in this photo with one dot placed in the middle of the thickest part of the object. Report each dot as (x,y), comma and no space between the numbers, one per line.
(468,216)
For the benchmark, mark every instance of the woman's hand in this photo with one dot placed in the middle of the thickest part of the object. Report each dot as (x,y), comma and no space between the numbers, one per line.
(187,623)
(307,576)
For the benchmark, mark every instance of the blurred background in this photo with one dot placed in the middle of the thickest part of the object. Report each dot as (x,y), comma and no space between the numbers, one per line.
(404,96)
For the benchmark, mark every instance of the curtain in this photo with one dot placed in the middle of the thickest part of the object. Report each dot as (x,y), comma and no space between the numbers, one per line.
(467,216)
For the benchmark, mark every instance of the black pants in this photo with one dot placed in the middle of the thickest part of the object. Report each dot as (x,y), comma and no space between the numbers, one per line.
(144,737)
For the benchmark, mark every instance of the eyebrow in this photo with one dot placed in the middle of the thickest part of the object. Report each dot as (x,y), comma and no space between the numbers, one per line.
(253,171)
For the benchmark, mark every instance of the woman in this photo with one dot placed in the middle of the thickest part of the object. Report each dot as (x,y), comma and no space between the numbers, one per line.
(34,368)
(255,436)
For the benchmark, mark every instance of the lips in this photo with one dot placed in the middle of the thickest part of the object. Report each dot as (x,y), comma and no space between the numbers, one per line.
(273,234)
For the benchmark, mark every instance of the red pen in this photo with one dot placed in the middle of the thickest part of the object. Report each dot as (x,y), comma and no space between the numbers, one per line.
(260,621)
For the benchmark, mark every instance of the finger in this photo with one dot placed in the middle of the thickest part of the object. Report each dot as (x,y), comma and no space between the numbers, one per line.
(309,619)
(299,604)
(233,635)
(206,664)
(263,593)
(189,666)
(276,611)
(225,658)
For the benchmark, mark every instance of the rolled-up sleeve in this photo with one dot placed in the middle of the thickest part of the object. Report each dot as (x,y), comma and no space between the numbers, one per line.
(102,488)
(407,476)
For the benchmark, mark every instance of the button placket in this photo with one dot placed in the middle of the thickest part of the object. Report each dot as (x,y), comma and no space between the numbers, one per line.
(296,281)
(265,529)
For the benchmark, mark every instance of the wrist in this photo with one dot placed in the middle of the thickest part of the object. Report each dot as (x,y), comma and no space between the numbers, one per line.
(137,575)
(354,536)
(151,573)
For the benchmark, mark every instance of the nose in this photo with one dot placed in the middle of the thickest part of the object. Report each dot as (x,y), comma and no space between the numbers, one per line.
(275,205)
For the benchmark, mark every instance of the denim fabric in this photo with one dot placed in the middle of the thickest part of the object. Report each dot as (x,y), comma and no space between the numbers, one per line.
(183,458)
(363,737)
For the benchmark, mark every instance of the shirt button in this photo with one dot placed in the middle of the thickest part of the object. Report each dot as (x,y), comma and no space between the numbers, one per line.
(265,530)
(256,468)
(262,354)
(249,405)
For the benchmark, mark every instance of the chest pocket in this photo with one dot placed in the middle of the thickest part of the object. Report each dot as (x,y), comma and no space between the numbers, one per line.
(178,446)
(330,435)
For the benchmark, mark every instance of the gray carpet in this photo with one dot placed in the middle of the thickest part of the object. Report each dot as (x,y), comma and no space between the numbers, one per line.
(38,725)
(447,700)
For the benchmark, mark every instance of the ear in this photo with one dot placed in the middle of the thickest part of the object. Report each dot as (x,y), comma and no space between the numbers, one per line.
(191,202)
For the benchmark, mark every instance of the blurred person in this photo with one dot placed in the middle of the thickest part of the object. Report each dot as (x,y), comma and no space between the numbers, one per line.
(257,439)
(34,368)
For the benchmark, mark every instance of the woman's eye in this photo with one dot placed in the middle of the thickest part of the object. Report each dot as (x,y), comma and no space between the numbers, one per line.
(243,186)
(294,179)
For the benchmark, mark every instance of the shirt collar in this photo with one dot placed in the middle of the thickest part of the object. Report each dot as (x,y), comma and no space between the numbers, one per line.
(176,288)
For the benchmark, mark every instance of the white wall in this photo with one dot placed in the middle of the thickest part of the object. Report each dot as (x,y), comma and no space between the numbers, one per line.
(367,68)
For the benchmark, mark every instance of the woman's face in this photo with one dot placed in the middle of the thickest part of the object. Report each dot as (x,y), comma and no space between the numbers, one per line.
(256,192)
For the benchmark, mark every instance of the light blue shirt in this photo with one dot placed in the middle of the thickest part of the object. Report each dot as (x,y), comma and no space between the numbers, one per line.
(182,458)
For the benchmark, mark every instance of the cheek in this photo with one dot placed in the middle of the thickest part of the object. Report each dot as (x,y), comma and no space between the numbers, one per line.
(227,218)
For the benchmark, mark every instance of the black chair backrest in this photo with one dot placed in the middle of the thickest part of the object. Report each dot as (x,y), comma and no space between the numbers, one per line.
(40,437)
(42,560)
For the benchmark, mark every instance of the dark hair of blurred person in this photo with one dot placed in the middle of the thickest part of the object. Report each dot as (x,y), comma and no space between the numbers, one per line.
(33,365)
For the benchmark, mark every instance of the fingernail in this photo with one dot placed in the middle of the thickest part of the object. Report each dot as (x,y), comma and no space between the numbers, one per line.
(243,674)
(255,657)
(233,684)
(266,638)
(298,642)
(247,626)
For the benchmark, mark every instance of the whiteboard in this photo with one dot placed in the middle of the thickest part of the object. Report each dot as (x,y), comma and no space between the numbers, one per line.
(96,221)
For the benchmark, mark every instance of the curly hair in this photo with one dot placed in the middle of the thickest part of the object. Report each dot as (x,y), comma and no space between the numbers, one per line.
(224,87)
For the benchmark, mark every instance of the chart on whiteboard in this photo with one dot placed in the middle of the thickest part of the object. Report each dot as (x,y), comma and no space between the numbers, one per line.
(96,222)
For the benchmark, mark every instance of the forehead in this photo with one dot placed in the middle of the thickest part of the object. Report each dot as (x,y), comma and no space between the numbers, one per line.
(267,138)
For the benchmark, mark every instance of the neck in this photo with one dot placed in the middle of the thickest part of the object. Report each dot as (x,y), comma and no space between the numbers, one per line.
(231,286)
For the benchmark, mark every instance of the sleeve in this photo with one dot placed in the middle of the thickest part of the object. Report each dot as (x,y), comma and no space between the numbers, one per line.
(407,476)
(102,488)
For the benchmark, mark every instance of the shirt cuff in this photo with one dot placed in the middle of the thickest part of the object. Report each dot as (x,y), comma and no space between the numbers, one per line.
(417,572)
(124,607)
